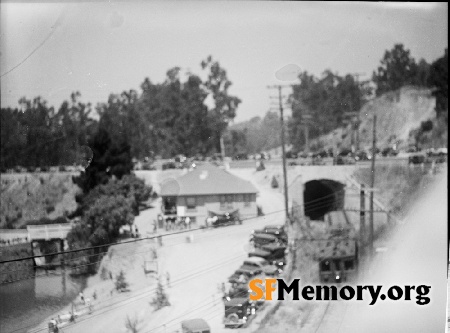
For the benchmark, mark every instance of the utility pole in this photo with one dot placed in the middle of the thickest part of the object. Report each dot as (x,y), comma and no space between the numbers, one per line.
(372,183)
(357,75)
(306,122)
(362,217)
(283,150)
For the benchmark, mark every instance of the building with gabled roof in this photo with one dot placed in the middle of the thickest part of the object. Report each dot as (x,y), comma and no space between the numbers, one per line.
(205,191)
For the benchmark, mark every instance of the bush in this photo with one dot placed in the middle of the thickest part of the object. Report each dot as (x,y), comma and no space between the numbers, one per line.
(274,183)
(161,300)
(121,284)
(260,211)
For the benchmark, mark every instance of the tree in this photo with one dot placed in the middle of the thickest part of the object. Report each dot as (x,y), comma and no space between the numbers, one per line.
(106,216)
(132,324)
(160,300)
(225,105)
(121,283)
(397,69)
(109,159)
(439,79)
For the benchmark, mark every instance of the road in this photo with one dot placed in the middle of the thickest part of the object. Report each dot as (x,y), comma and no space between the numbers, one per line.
(196,269)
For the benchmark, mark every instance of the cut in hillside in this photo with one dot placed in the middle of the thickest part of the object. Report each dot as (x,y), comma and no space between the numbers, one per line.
(398,113)
(31,196)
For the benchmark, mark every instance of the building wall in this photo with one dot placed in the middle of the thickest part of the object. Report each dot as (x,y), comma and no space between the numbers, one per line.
(215,203)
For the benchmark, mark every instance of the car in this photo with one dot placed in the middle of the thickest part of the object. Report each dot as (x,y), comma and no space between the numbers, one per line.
(272,253)
(345,160)
(361,155)
(290,154)
(240,157)
(260,263)
(258,240)
(276,230)
(244,274)
(226,219)
(169,165)
(417,158)
(389,151)
(237,311)
(195,326)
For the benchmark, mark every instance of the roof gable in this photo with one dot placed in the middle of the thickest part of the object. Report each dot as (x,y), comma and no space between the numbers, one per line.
(207,179)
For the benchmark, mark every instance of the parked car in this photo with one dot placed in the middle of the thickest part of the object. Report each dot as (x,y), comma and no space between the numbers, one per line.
(417,158)
(389,151)
(272,253)
(195,326)
(276,230)
(240,157)
(290,154)
(260,263)
(244,274)
(259,240)
(345,160)
(239,291)
(169,165)
(238,311)
(361,155)
(226,219)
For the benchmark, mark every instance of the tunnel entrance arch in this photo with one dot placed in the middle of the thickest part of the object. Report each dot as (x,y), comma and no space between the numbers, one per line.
(321,196)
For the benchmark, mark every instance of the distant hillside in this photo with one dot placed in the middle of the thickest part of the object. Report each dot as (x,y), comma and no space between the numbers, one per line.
(398,113)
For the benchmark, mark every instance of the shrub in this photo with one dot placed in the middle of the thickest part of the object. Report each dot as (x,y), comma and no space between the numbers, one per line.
(160,300)
(121,283)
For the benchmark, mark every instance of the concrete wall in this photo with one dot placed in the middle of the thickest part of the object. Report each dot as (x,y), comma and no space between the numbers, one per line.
(206,203)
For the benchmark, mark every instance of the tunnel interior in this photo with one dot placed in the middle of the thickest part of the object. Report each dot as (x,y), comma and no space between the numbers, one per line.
(322,196)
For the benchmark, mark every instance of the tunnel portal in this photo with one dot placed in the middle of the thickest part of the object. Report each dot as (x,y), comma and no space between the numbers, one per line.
(322,196)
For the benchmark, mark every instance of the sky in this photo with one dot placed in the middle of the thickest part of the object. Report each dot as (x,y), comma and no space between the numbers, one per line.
(97,48)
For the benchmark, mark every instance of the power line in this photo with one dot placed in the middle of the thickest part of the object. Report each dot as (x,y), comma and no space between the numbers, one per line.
(53,27)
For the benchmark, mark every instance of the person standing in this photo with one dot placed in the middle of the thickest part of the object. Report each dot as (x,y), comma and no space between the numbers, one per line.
(187,222)
(82,297)
(168,279)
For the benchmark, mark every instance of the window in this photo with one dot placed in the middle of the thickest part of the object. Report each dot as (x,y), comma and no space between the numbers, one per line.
(325,266)
(247,200)
(226,201)
(349,264)
(190,203)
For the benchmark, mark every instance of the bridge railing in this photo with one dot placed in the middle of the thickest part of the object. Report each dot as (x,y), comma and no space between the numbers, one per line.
(48,231)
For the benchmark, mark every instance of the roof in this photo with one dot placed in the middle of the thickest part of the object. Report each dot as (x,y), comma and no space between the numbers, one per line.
(236,301)
(259,253)
(255,260)
(207,179)
(272,247)
(337,249)
(195,324)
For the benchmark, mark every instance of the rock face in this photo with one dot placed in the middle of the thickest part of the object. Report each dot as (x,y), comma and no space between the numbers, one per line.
(397,114)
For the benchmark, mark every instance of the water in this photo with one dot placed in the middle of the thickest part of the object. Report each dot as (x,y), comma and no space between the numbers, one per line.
(27,303)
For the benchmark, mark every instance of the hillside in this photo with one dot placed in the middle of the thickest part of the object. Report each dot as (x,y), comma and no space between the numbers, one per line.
(31,196)
(398,113)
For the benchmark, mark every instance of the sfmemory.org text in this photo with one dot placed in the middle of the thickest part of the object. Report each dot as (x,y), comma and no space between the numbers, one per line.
(263,289)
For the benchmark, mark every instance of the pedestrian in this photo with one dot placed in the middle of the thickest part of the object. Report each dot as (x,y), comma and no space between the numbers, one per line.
(168,279)
(137,232)
(82,298)
(155,226)
(187,221)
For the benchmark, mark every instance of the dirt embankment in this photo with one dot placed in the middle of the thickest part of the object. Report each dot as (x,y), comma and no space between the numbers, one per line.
(398,113)
(31,196)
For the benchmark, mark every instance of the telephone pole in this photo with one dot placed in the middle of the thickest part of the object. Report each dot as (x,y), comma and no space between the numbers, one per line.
(283,149)
(372,183)
(357,75)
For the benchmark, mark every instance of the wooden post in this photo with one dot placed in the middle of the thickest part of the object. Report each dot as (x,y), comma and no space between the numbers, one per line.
(362,216)
(372,185)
